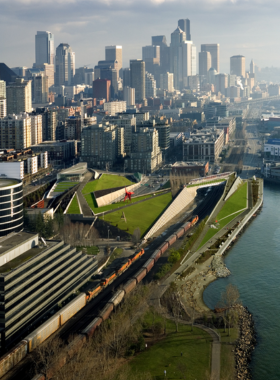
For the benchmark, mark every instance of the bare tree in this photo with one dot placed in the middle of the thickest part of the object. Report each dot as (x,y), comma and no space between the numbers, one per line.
(136,235)
(229,301)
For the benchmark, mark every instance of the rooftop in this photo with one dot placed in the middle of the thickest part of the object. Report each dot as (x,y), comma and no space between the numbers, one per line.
(5,182)
(183,164)
(79,168)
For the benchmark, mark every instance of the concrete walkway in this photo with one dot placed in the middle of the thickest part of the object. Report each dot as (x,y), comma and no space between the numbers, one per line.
(86,210)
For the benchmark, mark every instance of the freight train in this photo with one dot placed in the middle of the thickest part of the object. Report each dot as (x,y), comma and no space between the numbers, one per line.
(33,340)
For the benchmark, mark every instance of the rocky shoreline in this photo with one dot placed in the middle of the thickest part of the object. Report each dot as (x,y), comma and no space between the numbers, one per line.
(245,344)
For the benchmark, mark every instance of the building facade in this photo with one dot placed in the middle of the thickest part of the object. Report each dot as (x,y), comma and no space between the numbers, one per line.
(214,50)
(64,65)
(15,131)
(237,65)
(137,79)
(44,48)
(19,97)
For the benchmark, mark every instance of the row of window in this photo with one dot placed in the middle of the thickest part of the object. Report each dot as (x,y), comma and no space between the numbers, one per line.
(8,205)
(8,191)
(10,218)
(8,198)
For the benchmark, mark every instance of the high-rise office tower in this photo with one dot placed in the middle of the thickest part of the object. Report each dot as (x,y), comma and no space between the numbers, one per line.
(44,48)
(237,65)
(19,97)
(204,62)
(129,96)
(164,52)
(177,38)
(137,79)
(150,86)
(252,67)
(41,89)
(3,100)
(185,25)
(214,50)
(126,77)
(221,83)
(64,65)
(114,53)
(151,53)
(193,63)
(101,89)
(166,82)
(48,70)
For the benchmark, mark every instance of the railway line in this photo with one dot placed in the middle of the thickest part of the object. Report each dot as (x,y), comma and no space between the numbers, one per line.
(92,311)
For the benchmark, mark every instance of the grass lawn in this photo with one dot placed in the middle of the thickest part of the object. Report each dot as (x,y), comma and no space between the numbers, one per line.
(74,206)
(236,202)
(107,181)
(227,356)
(141,215)
(165,355)
(62,186)
(208,183)
(93,250)
(93,205)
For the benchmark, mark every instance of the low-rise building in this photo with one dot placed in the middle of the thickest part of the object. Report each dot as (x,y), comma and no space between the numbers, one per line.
(59,152)
(190,169)
(204,145)
(34,278)
(272,149)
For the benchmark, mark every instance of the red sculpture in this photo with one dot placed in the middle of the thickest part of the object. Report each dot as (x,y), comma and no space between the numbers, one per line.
(128,194)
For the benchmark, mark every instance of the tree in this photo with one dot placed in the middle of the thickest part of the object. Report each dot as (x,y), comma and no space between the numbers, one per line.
(136,235)
(174,257)
(229,301)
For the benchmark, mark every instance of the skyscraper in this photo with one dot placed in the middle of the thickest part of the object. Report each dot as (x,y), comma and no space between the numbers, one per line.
(204,62)
(114,53)
(252,67)
(3,101)
(214,50)
(137,79)
(177,37)
(166,82)
(19,97)
(44,48)
(237,65)
(64,65)
(221,83)
(164,52)
(185,25)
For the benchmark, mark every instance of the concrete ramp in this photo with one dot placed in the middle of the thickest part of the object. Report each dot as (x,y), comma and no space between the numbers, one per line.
(182,200)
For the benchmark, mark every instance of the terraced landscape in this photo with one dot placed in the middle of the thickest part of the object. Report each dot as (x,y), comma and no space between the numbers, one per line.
(142,215)
(107,181)
(62,186)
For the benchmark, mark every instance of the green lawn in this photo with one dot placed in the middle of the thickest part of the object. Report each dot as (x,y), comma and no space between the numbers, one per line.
(195,362)
(74,206)
(92,250)
(107,181)
(141,215)
(208,183)
(236,202)
(62,186)
(93,205)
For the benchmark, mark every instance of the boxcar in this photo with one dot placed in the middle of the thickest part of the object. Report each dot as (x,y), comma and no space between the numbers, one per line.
(14,356)
(180,232)
(117,297)
(43,332)
(171,240)
(156,255)
(140,275)
(163,247)
(72,308)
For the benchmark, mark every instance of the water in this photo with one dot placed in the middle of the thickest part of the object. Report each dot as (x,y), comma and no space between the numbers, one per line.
(254,262)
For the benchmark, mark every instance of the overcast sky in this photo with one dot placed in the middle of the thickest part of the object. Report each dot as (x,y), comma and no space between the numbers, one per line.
(247,27)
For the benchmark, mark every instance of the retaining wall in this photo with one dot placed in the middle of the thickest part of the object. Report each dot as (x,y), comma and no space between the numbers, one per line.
(116,195)
(185,197)
(234,187)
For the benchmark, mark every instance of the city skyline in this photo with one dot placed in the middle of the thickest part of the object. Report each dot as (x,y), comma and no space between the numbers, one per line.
(227,25)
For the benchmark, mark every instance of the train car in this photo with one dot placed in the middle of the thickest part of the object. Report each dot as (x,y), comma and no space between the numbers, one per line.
(129,285)
(186,226)
(194,220)
(107,280)
(149,264)
(163,247)
(180,232)
(171,240)
(72,308)
(13,357)
(156,255)
(93,292)
(76,344)
(90,329)
(126,263)
(140,275)
(106,311)
(117,298)
(137,255)
(43,332)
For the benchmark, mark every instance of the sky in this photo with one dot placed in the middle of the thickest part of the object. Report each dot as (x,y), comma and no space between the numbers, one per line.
(247,27)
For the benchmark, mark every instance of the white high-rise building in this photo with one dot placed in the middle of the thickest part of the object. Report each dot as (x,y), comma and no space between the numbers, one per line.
(150,86)
(115,107)
(64,65)
(36,129)
(166,82)
(3,100)
(44,48)
(129,96)
(205,62)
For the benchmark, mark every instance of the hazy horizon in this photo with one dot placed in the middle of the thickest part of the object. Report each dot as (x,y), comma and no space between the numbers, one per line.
(240,27)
